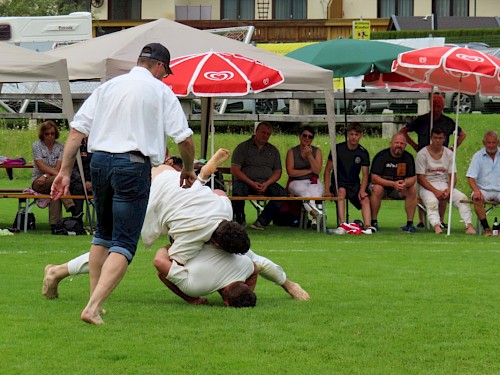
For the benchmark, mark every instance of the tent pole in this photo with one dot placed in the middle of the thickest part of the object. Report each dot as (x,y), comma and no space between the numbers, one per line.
(332,132)
(345,132)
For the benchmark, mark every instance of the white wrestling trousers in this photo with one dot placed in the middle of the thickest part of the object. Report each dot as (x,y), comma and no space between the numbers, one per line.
(304,188)
(267,269)
(432,204)
(79,265)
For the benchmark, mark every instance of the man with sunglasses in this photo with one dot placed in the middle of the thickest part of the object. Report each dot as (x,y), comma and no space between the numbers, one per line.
(127,120)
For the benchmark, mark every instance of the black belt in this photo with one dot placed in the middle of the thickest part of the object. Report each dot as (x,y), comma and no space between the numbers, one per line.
(137,153)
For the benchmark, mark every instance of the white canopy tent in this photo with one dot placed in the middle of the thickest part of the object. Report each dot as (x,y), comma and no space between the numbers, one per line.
(113,54)
(23,65)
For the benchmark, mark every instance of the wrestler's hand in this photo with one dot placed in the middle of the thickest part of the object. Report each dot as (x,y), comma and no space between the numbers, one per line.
(60,186)
(187,178)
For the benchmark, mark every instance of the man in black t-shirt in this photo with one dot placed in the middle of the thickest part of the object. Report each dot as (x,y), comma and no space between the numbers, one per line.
(393,175)
(352,158)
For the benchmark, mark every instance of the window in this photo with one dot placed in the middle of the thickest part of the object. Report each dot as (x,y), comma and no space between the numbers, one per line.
(387,8)
(238,9)
(124,9)
(445,8)
(290,9)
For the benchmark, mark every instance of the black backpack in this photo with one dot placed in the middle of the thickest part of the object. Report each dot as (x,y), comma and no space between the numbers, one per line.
(31,220)
(69,226)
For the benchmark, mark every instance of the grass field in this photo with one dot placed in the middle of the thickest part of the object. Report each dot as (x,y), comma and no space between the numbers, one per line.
(389,303)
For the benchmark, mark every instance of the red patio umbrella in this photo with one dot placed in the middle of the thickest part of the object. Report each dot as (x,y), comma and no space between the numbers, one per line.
(218,74)
(456,68)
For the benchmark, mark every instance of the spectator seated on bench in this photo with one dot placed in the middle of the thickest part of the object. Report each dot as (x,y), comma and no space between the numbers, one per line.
(303,165)
(484,177)
(352,159)
(434,175)
(47,159)
(393,175)
(256,168)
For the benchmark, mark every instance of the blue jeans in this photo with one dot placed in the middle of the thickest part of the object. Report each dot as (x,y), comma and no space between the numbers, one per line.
(120,185)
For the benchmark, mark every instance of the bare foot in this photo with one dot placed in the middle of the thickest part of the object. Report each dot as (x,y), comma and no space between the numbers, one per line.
(87,317)
(217,159)
(437,229)
(296,291)
(470,229)
(50,283)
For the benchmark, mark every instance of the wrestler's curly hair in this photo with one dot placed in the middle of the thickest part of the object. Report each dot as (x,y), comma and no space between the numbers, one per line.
(231,237)
(239,295)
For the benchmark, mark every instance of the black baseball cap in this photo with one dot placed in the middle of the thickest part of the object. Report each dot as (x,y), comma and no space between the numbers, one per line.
(158,52)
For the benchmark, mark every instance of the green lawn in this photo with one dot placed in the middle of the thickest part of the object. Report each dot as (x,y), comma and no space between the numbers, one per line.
(389,303)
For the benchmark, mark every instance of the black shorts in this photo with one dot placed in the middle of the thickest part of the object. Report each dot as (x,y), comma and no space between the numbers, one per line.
(351,193)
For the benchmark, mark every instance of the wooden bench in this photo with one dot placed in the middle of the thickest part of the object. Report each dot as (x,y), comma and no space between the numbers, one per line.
(489,206)
(254,199)
(27,201)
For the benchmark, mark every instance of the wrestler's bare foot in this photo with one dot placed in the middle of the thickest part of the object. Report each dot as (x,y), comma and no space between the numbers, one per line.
(90,318)
(296,291)
(437,229)
(50,283)
(217,159)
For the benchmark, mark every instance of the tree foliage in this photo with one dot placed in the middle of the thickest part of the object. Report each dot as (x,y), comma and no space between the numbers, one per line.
(41,7)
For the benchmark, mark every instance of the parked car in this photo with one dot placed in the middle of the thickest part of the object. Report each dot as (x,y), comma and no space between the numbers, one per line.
(260,106)
(491,103)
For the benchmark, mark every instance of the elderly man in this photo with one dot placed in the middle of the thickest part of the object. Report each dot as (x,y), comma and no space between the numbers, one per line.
(256,168)
(434,174)
(393,175)
(484,177)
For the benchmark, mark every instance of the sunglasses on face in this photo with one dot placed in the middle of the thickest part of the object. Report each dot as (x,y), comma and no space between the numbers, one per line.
(307,136)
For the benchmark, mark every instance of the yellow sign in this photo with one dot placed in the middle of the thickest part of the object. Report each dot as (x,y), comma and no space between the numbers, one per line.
(361,29)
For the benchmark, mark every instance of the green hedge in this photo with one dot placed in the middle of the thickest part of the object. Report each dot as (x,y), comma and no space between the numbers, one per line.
(489,36)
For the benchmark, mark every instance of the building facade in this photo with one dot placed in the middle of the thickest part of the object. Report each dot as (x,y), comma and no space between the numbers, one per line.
(283,20)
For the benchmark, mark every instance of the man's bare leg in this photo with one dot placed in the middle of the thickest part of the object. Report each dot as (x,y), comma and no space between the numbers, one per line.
(211,166)
(295,290)
(111,274)
(54,273)
(98,255)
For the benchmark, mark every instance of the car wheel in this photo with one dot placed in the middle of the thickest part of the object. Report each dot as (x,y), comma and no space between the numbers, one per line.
(358,106)
(466,103)
(266,106)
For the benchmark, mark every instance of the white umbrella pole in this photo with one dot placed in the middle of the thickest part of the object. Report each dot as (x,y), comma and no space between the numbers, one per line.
(212,133)
(455,138)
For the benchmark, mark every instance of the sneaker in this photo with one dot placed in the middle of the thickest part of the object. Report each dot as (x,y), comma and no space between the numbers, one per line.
(421,225)
(488,232)
(257,225)
(444,226)
(409,228)
(375,225)
(372,229)
(314,224)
